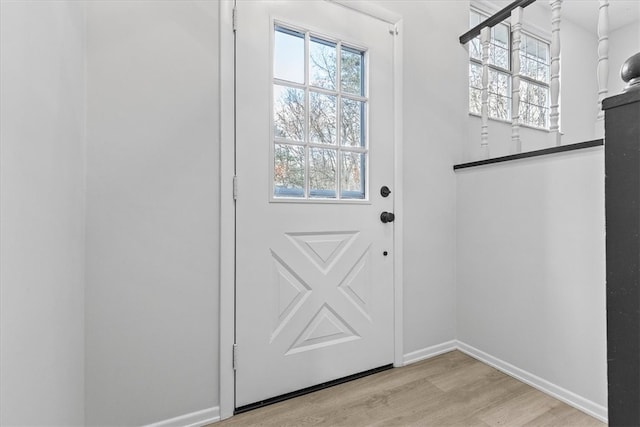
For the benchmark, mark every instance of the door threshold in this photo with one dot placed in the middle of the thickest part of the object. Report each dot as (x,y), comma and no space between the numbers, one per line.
(311,389)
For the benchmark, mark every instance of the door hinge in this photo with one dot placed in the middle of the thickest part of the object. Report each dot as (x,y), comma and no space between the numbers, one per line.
(235,18)
(393,30)
(235,187)
(235,357)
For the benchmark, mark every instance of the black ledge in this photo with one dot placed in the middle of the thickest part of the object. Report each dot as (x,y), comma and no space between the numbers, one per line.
(536,153)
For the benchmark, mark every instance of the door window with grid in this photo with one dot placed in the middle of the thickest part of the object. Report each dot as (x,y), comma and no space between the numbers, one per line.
(534,75)
(320,148)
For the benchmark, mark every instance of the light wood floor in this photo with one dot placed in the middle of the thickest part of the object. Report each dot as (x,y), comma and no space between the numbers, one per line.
(452,389)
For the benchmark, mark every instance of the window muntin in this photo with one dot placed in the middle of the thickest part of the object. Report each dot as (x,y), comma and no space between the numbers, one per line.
(534,73)
(320,149)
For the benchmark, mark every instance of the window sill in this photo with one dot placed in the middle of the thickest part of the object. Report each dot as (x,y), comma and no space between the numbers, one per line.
(509,122)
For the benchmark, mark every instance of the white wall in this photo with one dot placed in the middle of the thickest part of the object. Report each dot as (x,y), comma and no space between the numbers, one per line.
(531,267)
(435,88)
(152,214)
(623,42)
(578,83)
(152,210)
(42,213)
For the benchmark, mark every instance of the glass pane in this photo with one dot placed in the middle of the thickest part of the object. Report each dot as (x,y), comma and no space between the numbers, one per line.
(543,73)
(493,109)
(500,57)
(475,101)
(322,63)
(474,18)
(540,95)
(288,171)
(475,49)
(501,36)
(475,75)
(322,173)
(544,96)
(545,117)
(493,81)
(530,49)
(352,178)
(534,114)
(499,107)
(543,52)
(352,64)
(524,113)
(535,95)
(322,118)
(531,94)
(531,68)
(288,56)
(524,91)
(504,107)
(523,46)
(288,112)
(499,83)
(352,123)
(503,85)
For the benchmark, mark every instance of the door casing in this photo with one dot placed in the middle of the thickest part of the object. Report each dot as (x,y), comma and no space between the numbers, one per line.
(227,203)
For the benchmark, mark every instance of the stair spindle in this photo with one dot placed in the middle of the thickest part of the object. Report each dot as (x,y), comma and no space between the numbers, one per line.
(603,63)
(485,38)
(516,29)
(554,84)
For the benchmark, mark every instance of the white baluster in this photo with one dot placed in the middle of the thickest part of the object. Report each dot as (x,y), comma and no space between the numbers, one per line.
(485,38)
(603,63)
(516,28)
(554,115)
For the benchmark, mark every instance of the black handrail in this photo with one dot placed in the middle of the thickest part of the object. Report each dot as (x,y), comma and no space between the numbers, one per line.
(493,20)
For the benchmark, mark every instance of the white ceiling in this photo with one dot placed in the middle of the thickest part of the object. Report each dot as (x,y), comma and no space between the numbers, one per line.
(585,12)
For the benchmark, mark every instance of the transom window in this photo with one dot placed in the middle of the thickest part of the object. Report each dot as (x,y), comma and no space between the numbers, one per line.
(534,75)
(320,148)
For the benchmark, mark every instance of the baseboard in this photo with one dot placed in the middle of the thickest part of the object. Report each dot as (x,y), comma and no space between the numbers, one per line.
(429,352)
(194,419)
(595,410)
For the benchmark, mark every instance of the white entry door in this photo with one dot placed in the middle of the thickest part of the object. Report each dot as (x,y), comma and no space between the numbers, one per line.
(314,147)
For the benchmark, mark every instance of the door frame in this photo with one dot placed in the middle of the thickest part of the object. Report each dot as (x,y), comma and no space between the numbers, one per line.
(227,204)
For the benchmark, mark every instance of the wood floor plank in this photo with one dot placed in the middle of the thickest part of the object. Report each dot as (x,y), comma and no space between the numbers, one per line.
(452,389)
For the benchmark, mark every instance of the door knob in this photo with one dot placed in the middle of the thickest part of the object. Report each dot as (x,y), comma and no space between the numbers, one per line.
(387,217)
